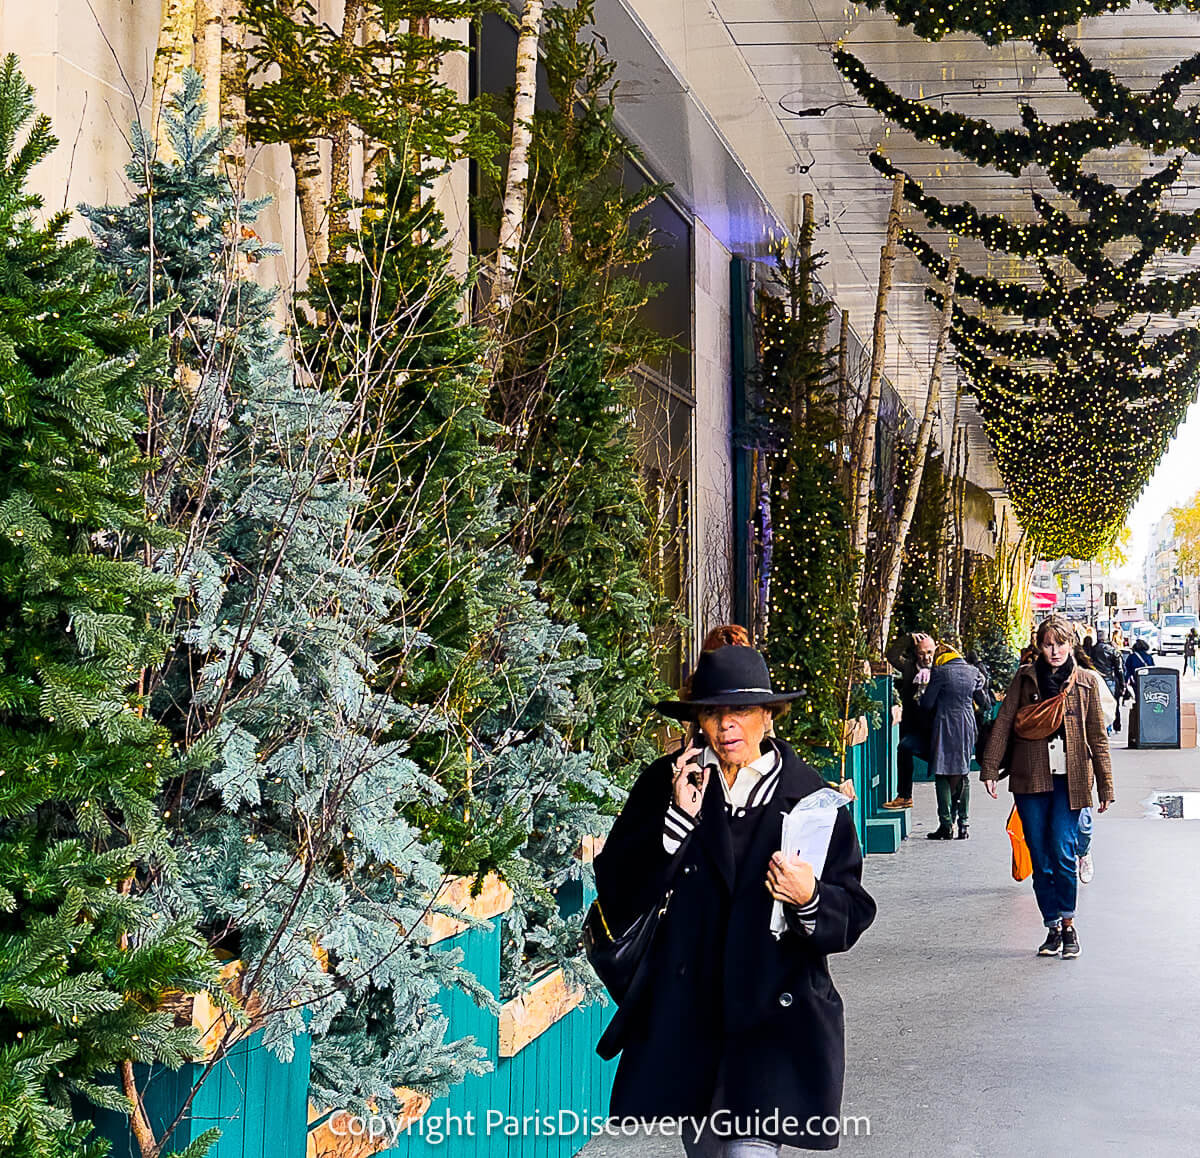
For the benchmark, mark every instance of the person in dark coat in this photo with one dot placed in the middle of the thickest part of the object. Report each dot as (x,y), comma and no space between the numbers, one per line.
(733,1031)
(949,701)
(912,657)
(1139,657)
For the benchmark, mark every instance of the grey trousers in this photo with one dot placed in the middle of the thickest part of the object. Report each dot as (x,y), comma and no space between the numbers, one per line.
(711,1145)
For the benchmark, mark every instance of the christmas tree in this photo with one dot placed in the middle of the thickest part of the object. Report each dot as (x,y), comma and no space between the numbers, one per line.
(292,823)
(920,600)
(87,961)
(814,643)
(564,395)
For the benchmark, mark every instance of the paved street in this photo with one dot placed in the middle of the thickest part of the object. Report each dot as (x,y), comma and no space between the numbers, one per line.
(962,1043)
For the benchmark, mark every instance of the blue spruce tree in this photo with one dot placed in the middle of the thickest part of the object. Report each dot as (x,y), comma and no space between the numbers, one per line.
(292,822)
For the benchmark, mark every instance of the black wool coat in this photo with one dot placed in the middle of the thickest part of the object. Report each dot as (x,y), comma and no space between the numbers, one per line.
(724,1008)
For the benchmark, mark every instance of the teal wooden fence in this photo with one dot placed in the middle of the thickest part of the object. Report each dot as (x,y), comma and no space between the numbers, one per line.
(539,1103)
(259,1103)
(871,765)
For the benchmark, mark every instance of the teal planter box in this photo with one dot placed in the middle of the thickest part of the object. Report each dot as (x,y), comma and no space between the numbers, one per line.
(259,1103)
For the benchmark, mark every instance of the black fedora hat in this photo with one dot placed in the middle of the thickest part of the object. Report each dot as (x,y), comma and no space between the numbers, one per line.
(727,677)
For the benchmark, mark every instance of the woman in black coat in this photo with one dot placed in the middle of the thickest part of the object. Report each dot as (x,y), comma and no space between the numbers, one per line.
(735,1030)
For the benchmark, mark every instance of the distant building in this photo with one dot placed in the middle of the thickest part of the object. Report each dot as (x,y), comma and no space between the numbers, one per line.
(1168,587)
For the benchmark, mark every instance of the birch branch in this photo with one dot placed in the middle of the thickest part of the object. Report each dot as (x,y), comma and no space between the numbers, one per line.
(233,91)
(895,557)
(209,20)
(866,461)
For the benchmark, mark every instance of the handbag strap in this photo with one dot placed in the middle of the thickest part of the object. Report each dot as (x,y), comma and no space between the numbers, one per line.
(1041,719)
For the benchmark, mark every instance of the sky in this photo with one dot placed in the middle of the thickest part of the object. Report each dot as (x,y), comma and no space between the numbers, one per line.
(1173,483)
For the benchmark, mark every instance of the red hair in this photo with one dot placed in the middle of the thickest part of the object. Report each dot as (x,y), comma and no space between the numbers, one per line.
(727,635)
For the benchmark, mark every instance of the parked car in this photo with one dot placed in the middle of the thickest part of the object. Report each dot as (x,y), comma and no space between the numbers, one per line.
(1175,626)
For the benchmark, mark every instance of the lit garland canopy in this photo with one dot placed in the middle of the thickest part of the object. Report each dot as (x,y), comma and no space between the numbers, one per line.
(995,21)
(1085,362)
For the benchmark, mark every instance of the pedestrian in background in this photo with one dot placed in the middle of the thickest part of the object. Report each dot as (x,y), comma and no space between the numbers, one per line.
(912,657)
(1189,651)
(949,703)
(1108,705)
(1050,735)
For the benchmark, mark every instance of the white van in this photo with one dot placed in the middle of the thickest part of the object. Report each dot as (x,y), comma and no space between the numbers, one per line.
(1175,626)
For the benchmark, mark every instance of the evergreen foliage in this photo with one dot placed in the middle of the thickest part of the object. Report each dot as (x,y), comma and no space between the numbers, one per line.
(814,643)
(480,651)
(311,84)
(565,395)
(990,626)
(86,962)
(290,820)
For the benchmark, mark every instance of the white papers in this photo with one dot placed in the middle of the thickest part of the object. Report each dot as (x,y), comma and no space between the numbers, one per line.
(807,830)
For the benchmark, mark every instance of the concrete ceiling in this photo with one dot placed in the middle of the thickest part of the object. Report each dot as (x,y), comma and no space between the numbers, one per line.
(753,64)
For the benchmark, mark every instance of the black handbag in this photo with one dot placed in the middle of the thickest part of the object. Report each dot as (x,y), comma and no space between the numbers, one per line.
(617,959)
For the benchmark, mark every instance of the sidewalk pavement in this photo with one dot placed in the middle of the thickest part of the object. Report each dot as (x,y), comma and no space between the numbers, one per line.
(962,1043)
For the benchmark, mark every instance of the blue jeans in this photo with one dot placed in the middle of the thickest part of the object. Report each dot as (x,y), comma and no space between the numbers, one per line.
(1083,845)
(1051,831)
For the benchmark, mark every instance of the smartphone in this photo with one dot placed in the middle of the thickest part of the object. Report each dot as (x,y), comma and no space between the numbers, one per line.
(695,739)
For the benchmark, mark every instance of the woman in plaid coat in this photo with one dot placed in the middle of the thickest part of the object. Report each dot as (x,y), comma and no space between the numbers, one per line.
(1051,737)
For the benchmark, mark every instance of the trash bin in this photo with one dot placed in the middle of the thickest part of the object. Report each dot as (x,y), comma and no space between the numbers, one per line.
(1155,722)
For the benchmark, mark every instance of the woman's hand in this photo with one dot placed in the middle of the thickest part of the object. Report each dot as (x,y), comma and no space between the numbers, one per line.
(689,780)
(990,785)
(1105,805)
(846,788)
(790,879)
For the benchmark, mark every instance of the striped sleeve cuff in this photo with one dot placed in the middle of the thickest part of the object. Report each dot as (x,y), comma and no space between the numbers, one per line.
(676,828)
(805,915)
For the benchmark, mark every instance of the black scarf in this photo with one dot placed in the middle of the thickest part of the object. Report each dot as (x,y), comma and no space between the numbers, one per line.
(1051,682)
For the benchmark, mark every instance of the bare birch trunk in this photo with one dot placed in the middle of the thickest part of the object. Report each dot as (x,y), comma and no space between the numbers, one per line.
(310,195)
(960,513)
(339,161)
(895,556)
(512,216)
(843,389)
(944,567)
(233,91)
(209,20)
(310,189)
(174,54)
(866,461)
(800,389)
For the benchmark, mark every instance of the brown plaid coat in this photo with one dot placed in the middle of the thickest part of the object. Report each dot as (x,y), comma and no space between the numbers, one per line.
(1029,765)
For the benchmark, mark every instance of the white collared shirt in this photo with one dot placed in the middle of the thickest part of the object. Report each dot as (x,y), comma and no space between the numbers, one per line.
(753,783)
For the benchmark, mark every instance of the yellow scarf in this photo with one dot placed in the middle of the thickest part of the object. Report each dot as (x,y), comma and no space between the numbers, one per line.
(946,657)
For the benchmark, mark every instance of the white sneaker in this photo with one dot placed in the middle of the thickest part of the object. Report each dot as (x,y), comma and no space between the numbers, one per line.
(1087,870)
